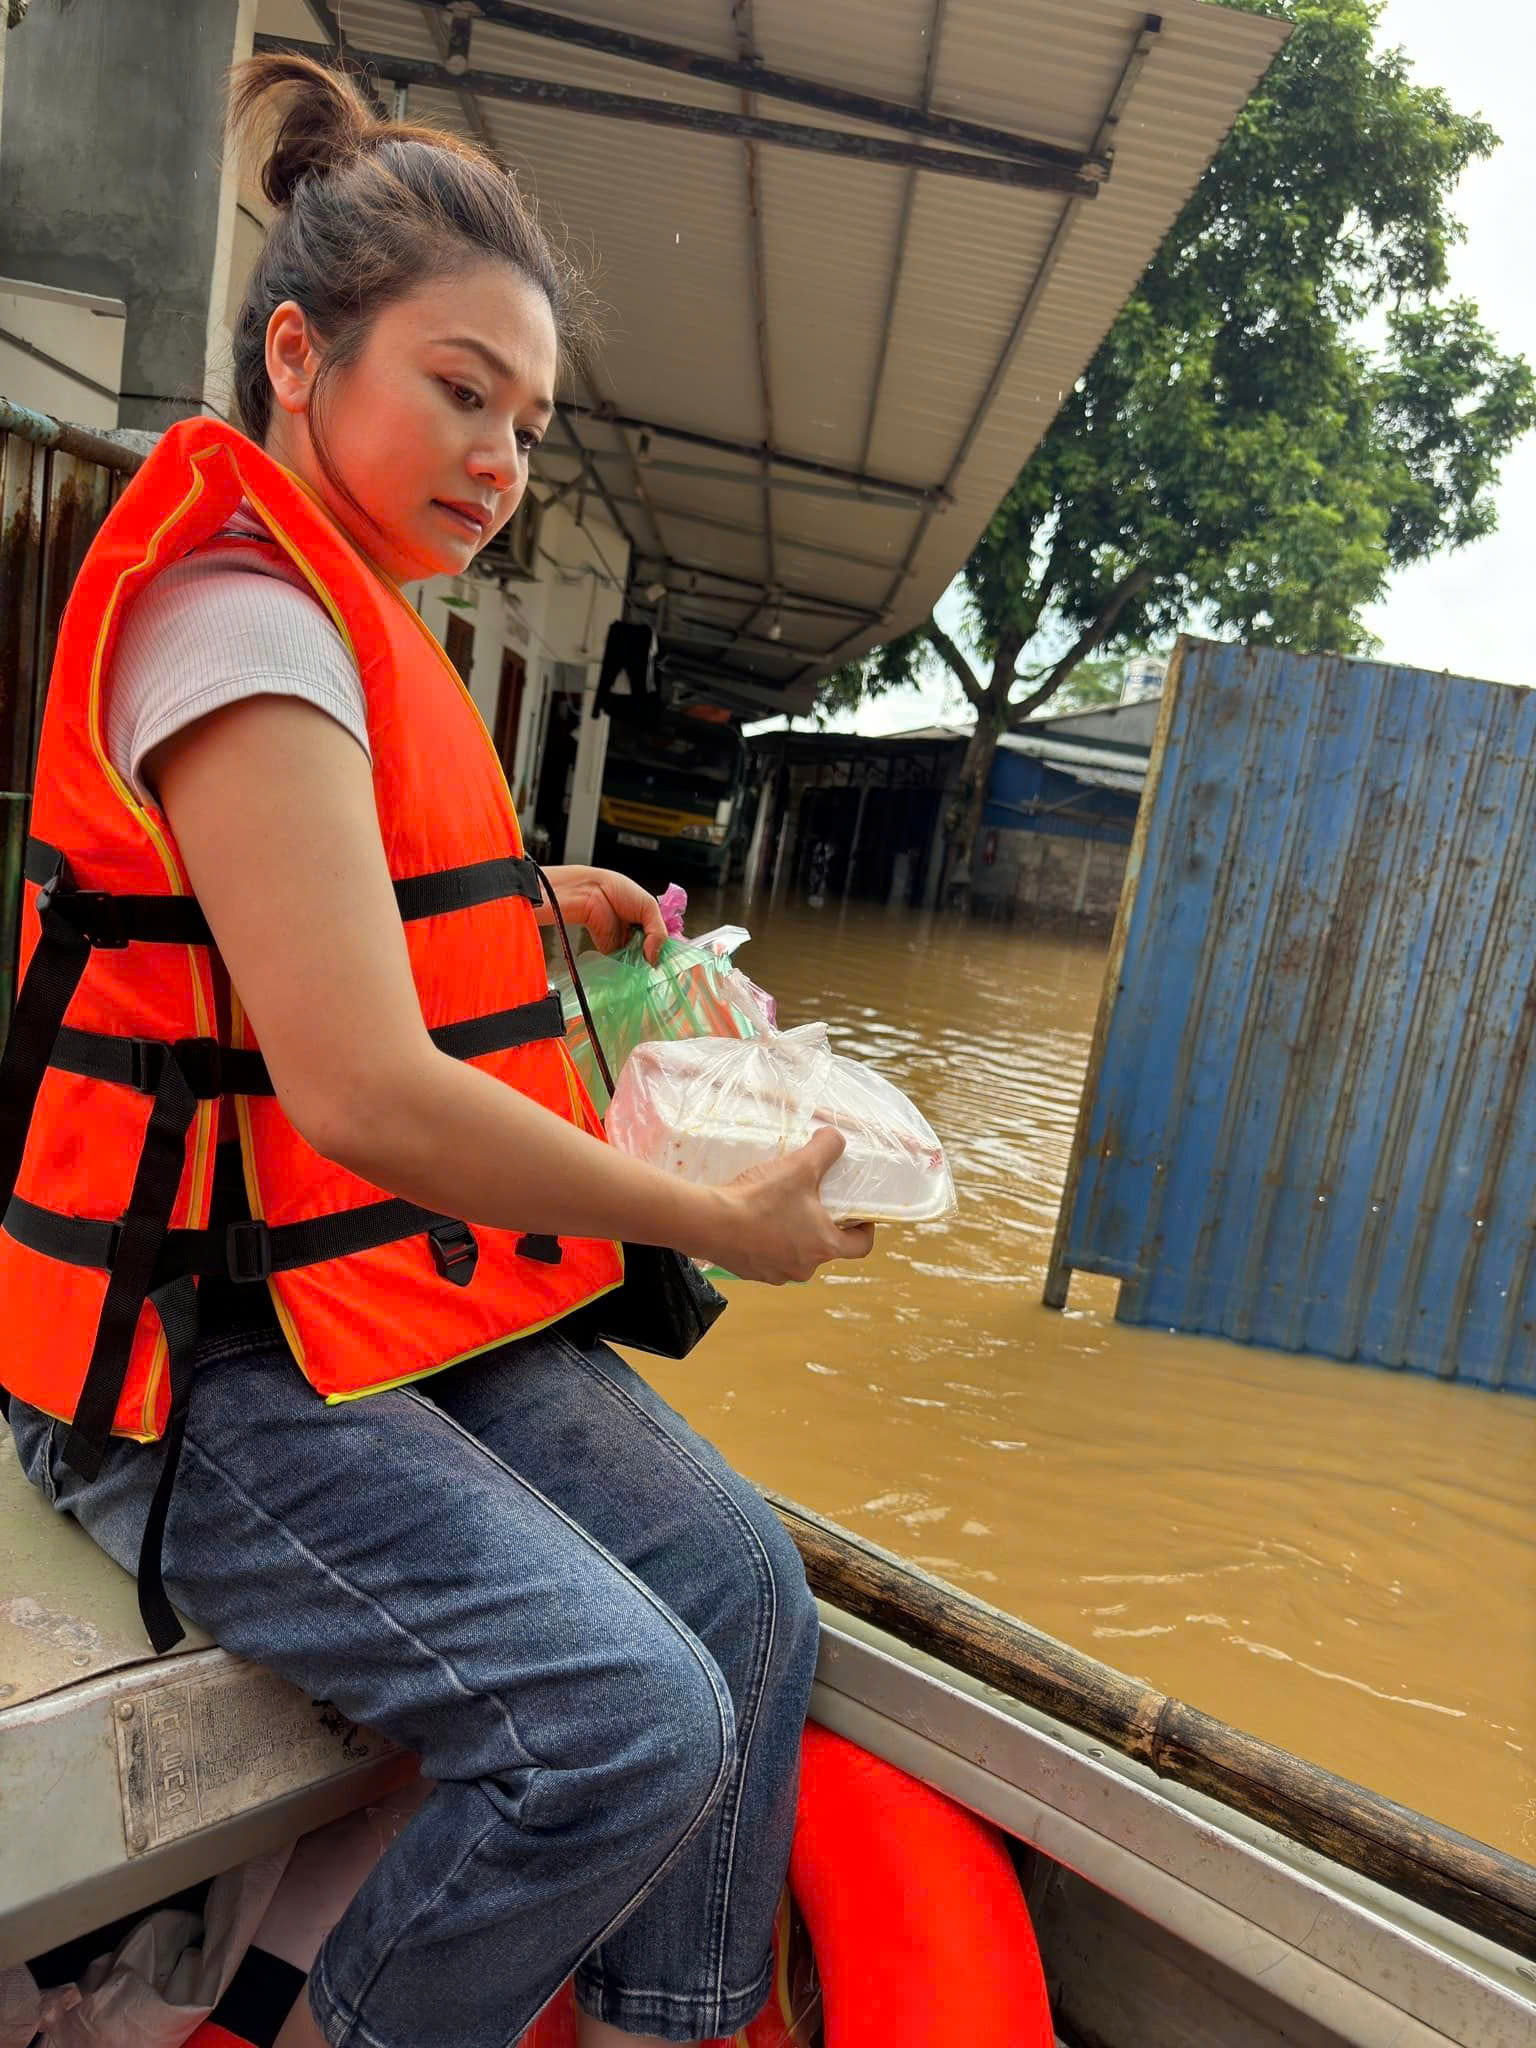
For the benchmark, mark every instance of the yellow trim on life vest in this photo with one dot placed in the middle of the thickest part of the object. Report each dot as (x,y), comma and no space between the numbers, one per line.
(407,1379)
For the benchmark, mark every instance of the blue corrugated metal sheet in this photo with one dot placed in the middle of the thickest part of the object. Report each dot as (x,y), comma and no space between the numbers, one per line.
(1310,1120)
(1027,795)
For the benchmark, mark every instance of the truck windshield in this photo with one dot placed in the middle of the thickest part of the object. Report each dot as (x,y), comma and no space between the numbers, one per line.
(678,761)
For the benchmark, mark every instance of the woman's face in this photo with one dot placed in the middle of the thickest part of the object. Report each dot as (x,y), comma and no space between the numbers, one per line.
(431,426)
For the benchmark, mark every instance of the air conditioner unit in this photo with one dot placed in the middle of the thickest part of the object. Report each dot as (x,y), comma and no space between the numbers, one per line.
(514,552)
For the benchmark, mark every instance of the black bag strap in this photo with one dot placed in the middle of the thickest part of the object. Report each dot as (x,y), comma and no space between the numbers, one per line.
(570,968)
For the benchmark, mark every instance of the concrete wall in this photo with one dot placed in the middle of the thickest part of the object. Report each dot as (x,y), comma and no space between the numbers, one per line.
(112,178)
(1048,876)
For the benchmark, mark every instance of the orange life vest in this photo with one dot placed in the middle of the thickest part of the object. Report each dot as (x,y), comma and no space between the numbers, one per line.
(108,1121)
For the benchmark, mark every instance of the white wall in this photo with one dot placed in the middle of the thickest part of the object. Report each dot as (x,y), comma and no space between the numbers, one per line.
(80,331)
(563,615)
(586,596)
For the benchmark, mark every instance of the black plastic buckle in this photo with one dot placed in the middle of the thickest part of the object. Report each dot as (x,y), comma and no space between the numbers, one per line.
(93,915)
(148,1057)
(201,1061)
(247,1251)
(454,1252)
(56,921)
(533,1244)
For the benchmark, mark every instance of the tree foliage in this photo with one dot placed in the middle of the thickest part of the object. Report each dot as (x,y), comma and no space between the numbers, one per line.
(1288,408)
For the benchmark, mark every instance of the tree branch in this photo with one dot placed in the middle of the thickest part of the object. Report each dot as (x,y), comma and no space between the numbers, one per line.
(955,661)
(1055,562)
(1091,637)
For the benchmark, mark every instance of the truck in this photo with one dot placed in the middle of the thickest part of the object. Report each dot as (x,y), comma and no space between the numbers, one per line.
(672,796)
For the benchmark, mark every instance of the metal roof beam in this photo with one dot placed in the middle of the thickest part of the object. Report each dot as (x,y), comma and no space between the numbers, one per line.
(899,251)
(868,494)
(727,686)
(702,634)
(750,76)
(879,564)
(790,597)
(589,468)
(442,34)
(802,465)
(325,20)
(618,106)
(741,16)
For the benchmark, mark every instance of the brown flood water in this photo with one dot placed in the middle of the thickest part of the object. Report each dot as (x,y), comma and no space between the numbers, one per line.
(1337,1558)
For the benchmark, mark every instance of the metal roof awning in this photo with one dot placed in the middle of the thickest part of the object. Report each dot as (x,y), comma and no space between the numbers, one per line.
(852,257)
(1099,767)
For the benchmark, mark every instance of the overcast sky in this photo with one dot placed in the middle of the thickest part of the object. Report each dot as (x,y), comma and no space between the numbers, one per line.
(1467,612)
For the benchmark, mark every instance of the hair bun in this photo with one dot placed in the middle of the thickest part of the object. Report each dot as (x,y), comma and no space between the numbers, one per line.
(321,120)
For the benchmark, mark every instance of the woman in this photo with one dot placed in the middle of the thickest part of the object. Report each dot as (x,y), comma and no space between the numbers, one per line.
(328,1124)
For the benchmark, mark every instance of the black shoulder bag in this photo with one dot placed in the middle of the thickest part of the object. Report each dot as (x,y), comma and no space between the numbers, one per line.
(664,1304)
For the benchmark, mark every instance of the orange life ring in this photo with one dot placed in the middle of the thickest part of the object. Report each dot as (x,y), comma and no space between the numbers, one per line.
(920,1929)
(921,1934)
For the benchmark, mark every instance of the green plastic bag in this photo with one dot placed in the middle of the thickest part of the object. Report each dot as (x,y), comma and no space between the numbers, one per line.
(693,991)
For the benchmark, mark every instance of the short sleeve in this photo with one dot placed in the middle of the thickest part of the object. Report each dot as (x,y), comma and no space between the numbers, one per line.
(210,631)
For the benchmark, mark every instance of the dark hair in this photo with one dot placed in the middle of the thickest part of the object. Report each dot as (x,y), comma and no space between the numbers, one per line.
(368,211)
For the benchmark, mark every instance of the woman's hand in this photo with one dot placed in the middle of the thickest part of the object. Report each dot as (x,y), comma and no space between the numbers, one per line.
(608,905)
(771,1223)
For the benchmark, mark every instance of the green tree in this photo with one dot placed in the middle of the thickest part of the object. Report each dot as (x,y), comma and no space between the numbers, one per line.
(1288,408)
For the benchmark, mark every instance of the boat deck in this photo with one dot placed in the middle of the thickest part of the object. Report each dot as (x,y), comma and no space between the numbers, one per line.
(126,1777)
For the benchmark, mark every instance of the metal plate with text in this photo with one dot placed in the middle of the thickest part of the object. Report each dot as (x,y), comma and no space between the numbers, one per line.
(196,1751)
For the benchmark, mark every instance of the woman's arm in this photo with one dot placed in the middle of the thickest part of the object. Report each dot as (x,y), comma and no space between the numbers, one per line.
(272,805)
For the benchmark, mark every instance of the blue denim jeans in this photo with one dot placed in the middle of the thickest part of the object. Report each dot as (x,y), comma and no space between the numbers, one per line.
(597,1637)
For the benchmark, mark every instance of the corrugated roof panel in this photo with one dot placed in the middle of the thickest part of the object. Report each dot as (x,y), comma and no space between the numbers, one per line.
(872,46)
(664,210)
(827,277)
(826,522)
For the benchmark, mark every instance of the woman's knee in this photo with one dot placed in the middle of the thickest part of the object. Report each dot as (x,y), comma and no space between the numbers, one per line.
(651,1741)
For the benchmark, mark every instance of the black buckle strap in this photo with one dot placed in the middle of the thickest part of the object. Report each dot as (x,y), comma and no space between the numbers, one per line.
(483,881)
(241,1251)
(176,1305)
(105,919)
(53,974)
(247,1251)
(212,1070)
(501,1030)
(133,1270)
(178,920)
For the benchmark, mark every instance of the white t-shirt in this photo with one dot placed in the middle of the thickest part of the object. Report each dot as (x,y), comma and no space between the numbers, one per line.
(224,624)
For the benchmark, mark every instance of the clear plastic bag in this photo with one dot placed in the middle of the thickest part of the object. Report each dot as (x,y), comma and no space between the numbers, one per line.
(692,991)
(708,1108)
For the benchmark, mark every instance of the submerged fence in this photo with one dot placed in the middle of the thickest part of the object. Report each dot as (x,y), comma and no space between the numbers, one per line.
(57,484)
(1310,1117)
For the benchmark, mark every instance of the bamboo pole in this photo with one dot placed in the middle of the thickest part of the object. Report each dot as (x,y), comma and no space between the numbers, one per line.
(1478,1887)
